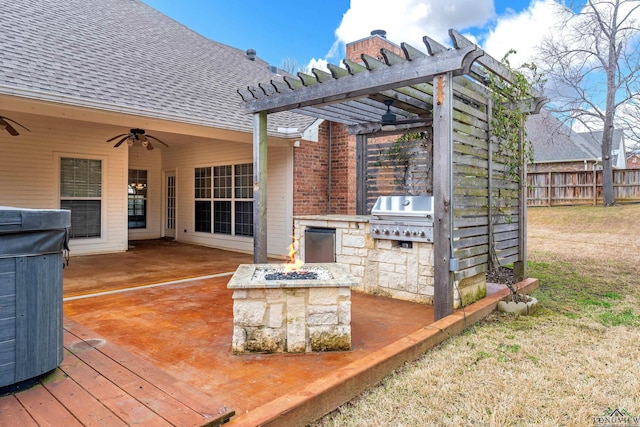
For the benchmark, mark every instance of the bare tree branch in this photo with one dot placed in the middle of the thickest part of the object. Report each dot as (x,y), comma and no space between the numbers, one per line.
(592,64)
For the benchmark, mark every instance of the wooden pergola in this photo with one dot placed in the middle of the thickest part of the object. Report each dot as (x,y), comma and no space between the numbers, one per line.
(443,88)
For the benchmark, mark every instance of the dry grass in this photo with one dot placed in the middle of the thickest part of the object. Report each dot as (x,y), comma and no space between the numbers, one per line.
(577,357)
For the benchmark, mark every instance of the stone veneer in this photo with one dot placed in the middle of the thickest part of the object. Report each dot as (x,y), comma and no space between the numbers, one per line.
(381,266)
(294,316)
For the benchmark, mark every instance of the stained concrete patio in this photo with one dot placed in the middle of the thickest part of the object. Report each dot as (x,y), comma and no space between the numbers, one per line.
(184,328)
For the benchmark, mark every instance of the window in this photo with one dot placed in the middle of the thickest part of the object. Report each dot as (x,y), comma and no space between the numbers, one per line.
(244,199)
(222,192)
(137,198)
(203,199)
(81,193)
(224,199)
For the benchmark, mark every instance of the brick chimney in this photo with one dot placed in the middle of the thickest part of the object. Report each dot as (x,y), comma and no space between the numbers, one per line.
(371,46)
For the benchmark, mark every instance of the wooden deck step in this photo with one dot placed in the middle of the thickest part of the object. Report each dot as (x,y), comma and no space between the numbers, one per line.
(99,383)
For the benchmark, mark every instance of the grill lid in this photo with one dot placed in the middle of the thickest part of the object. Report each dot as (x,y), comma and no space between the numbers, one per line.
(403,206)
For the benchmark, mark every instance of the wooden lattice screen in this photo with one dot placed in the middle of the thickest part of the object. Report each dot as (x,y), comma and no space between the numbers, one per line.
(399,166)
(479,170)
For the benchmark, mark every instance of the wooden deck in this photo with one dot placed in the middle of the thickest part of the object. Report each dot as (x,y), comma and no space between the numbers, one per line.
(99,383)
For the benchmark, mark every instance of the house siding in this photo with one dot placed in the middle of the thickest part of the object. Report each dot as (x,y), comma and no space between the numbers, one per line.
(214,153)
(633,162)
(30,168)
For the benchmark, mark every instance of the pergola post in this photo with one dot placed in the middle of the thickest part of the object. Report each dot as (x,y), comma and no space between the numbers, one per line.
(442,181)
(361,175)
(260,187)
(520,266)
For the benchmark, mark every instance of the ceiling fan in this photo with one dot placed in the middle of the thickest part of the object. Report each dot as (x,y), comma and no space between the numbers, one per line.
(136,135)
(389,119)
(4,123)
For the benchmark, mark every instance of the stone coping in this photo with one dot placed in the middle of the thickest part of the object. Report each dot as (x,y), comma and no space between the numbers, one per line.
(243,278)
(342,218)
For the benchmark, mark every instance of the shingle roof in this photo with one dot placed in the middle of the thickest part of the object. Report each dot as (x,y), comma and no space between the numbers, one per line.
(122,55)
(553,141)
(595,139)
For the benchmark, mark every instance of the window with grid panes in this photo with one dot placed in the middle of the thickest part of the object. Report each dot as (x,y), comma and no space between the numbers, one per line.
(81,193)
(203,199)
(224,199)
(243,180)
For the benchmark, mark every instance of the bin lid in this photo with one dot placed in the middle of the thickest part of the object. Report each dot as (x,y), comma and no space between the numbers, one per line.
(14,219)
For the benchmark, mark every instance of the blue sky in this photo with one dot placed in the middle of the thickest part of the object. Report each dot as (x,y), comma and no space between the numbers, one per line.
(315,32)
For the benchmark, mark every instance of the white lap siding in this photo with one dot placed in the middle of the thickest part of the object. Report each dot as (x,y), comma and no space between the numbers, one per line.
(30,173)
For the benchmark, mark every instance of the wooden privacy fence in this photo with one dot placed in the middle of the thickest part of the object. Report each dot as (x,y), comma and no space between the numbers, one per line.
(580,188)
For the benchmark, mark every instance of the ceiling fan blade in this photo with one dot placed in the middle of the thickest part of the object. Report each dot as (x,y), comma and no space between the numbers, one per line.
(11,130)
(3,119)
(149,136)
(8,128)
(119,142)
(117,136)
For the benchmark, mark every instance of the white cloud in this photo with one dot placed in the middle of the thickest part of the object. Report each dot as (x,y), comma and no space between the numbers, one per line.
(320,64)
(408,21)
(523,31)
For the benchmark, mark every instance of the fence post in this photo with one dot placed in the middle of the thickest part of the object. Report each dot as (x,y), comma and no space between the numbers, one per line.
(549,189)
(595,186)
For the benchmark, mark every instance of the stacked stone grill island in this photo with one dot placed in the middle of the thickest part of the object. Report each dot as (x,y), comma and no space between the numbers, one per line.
(273,313)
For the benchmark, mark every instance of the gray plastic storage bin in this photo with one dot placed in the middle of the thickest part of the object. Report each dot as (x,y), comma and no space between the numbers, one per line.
(31,260)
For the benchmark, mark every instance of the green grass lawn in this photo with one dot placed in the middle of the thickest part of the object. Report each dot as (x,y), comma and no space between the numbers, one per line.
(574,360)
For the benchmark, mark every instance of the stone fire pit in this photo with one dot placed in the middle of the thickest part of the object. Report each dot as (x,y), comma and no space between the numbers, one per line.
(291,315)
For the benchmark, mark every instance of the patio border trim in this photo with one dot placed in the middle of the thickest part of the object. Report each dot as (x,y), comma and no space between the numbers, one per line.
(153,285)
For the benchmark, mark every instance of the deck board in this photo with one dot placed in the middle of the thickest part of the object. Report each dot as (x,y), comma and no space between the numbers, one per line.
(88,410)
(45,409)
(99,383)
(180,391)
(120,403)
(13,413)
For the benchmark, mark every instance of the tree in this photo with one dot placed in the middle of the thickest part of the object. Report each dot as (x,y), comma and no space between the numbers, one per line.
(290,65)
(592,64)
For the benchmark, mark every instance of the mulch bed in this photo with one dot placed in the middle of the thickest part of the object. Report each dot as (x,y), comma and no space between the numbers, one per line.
(501,275)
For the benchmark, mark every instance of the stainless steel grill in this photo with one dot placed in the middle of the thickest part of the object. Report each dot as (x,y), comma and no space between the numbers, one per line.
(407,218)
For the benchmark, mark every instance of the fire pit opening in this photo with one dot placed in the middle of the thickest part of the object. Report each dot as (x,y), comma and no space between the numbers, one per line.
(283,273)
(294,275)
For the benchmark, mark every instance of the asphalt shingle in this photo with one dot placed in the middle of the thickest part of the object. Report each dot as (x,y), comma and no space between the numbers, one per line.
(552,140)
(122,55)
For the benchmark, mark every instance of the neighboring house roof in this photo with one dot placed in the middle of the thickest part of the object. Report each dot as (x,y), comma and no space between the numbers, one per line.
(617,144)
(553,141)
(124,56)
